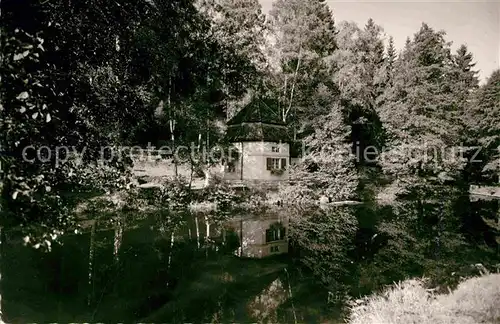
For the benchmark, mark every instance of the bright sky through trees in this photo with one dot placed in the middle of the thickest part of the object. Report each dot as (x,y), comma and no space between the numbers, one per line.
(475,23)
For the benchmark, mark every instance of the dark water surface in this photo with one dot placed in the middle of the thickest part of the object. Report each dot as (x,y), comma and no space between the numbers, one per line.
(152,280)
(203,282)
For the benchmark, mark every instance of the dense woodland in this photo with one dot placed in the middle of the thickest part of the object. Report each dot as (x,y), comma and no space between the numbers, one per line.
(94,73)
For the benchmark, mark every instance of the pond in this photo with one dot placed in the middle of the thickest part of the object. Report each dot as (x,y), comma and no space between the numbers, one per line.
(244,270)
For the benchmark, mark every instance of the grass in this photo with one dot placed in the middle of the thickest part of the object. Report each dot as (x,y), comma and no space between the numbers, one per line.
(476,300)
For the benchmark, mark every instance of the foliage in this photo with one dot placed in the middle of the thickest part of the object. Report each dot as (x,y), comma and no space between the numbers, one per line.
(328,165)
(301,38)
(225,197)
(421,115)
(359,60)
(68,83)
(324,239)
(483,117)
(62,79)
(239,25)
(297,193)
(361,75)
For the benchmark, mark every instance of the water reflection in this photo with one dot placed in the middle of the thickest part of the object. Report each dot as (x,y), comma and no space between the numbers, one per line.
(153,271)
(287,263)
(265,305)
(261,235)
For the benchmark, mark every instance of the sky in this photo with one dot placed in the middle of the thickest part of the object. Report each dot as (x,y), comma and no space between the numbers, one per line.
(474,23)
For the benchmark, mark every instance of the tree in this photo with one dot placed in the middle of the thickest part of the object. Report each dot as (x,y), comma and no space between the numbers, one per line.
(302,37)
(327,167)
(464,63)
(63,93)
(238,25)
(325,238)
(465,85)
(466,82)
(483,116)
(420,112)
(390,59)
(70,85)
(423,158)
(361,78)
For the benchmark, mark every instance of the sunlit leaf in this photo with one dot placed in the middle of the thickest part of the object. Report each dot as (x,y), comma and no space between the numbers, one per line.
(22,95)
(20,56)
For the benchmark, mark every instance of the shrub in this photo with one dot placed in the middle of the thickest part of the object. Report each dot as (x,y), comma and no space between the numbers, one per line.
(297,194)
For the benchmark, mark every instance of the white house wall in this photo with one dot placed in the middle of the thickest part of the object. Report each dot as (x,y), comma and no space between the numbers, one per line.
(255,156)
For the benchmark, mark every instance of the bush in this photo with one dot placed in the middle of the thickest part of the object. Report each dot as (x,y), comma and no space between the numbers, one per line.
(297,194)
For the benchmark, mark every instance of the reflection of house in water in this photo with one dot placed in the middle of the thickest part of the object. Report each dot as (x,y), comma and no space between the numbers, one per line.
(261,235)
(262,141)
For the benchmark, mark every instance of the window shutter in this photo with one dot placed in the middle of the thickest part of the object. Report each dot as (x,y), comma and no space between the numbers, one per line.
(283,163)
(269,234)
(269,163)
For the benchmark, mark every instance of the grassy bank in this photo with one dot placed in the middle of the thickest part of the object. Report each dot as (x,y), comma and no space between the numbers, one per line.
(476,300)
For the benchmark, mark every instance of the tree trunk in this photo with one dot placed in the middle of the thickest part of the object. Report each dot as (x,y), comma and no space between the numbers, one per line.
(283,110)
(117,239)
(207,229)
(91,265)
(207,178)
(197,231)
(207,235)
(191,175)
(2,242)
(172,138)
(172,239)
(291,296)
(172,123)
(292,91)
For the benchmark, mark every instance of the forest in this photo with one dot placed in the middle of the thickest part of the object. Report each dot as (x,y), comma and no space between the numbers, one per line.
(92,73)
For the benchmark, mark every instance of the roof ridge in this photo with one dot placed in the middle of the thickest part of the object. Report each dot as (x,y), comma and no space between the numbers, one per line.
(257,110)
(270,109)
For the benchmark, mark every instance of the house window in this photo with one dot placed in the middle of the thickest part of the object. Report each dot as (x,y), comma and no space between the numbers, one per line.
(272,164)
(276,164)
(283,164)
(275,149)
(275,249)
(231,168)
(275,233)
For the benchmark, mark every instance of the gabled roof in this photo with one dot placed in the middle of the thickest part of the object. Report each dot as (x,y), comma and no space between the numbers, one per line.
(258,111)
(258,121)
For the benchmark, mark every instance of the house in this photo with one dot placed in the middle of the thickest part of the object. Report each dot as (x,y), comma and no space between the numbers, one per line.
(260,142)
(261,235)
